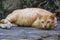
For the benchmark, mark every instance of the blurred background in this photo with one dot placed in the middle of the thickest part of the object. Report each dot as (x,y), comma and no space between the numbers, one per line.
(7,6)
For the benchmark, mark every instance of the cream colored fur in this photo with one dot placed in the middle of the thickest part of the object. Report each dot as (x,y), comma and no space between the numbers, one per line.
(26,17)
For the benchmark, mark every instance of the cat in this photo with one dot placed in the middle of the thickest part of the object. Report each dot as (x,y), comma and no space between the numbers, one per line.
(35,17)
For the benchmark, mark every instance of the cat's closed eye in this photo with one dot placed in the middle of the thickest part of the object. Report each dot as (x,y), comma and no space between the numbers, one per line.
(42,21)
(48,21)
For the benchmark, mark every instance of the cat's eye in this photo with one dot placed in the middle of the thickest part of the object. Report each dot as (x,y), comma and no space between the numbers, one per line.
(52,22)
(42,21)
(48,21)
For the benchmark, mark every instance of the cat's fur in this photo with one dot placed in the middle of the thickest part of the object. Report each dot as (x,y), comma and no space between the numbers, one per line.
(35,17)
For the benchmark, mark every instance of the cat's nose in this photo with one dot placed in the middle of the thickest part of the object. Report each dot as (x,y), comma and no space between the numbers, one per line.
(45,26)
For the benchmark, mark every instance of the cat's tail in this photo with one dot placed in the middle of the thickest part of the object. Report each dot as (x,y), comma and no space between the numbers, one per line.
(4,23)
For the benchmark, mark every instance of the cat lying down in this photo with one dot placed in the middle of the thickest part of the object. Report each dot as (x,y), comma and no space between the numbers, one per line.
(35,17)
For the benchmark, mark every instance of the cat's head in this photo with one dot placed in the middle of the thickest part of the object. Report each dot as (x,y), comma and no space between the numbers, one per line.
(48,21)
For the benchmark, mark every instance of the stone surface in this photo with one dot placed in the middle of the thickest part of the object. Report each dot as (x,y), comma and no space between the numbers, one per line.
(28,33)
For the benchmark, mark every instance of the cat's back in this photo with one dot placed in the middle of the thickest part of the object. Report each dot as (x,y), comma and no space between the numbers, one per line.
(31,11)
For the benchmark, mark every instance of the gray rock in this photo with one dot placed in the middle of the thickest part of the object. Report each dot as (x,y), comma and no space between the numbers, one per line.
(29,33)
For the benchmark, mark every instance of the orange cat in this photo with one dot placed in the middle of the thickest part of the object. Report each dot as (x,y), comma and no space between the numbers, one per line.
(35,17)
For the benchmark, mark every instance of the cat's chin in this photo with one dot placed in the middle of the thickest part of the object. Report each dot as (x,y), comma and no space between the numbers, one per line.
(47,28)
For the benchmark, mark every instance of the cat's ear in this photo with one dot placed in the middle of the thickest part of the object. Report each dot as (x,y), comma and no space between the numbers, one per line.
(53,15)
(39,16)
